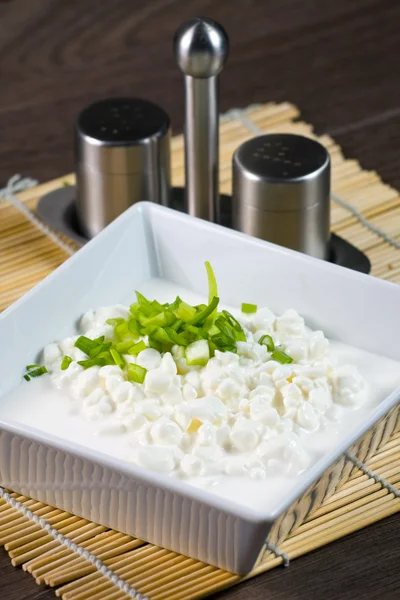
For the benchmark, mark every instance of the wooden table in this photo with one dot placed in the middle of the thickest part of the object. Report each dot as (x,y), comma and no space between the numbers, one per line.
(338,61)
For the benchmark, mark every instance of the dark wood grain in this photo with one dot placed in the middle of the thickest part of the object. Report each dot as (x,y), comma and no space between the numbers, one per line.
(338,61)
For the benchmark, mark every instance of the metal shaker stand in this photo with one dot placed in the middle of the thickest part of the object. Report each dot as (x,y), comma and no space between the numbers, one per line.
(201,49)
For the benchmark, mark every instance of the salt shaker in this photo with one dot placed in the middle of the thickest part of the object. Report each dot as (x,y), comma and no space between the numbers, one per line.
(122,154)
(281,192)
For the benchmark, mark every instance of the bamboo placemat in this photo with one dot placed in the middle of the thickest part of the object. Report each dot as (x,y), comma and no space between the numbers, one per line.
(366,212)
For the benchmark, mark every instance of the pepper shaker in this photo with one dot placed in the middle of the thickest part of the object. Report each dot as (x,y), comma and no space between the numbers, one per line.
(281,192)
(122,153)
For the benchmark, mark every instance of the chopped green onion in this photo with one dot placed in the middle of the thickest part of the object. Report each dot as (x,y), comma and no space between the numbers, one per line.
(281,357)
(201,307)
(99,349)
(157,307)
(226,331)
(133,327)
(145,305)
(207,312)
(136,373)
(198,353)
(175,326)
(160,335)
(249,308)
(38,372)
(155,344)
(121,331)
(180,339)
(136,348)
(30,367)
(106,356)
(66,361)
(163,319)
(99,361)
(213,330)
(119,361)
(266,340)
(212,282)
(185,312)
(125,346)
(212,285)
(84,344)
(115,322)
(174,304)
(234,323)
(27,378)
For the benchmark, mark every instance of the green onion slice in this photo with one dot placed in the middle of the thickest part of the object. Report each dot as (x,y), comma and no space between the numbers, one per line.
(185,312)
(99,361)
(37,372)
(212,284)
(198,353)
(207,312)
(84,344)
(281,357)
(266,340)
(136,373)
(118,359)
(66,361)
(136,348)
(249,308)
(116,321)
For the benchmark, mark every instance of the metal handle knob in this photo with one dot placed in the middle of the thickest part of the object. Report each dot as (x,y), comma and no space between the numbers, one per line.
(201,48)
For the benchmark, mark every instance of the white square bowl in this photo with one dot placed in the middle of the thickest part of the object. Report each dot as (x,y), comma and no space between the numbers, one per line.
(152,241)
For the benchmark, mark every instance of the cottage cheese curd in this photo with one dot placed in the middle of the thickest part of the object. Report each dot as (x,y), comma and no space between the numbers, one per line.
(242,417)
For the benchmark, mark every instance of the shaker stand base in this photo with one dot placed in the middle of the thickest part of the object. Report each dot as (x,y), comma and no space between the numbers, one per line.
(57,209)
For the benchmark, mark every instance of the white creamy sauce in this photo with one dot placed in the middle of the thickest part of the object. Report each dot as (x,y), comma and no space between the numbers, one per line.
(244,426)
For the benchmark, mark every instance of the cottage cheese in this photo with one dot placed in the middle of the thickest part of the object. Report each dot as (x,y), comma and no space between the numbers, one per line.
(243,418)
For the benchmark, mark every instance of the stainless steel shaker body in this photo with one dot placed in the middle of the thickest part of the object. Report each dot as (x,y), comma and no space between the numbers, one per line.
(281,192)
(122,152)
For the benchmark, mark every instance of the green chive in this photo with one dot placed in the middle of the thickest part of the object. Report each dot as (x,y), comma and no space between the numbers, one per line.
(234,323)
(99,349)
(119,361)
(30,367)
(66,361)
(266,340)
(124,347)
(207,312)
(185,312)
(249,308)
(145,306)
(212,282)
(154,344)
(115,322)
(136,373)
(133,327)
(136,348)
(38,372)
(121,331)
(281,357)
(27,378)
(84,344)
(99,361)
